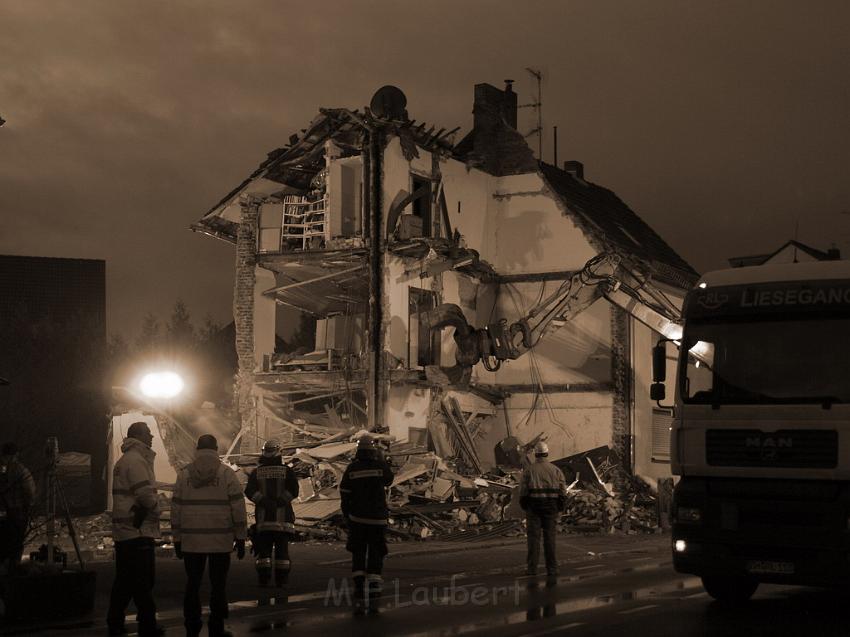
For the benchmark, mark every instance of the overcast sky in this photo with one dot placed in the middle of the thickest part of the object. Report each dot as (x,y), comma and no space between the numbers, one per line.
(722,124)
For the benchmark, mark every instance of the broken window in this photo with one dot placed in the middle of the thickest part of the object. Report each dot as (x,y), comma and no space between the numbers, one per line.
(418,222)
(424,346)
(271,219)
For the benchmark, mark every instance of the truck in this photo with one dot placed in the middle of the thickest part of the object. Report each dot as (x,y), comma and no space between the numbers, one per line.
(760,439)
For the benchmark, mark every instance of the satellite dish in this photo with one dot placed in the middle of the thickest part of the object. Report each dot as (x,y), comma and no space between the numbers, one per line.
(389,102)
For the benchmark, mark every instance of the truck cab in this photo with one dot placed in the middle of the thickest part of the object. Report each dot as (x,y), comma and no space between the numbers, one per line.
(761,431)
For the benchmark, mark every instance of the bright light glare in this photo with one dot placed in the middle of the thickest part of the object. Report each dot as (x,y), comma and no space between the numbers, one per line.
(681,546)
(703,285)
(161,385)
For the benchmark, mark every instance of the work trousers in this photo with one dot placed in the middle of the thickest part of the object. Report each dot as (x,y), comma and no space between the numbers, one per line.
(368,546)
(544,522)
(195,563)
(264,543)
(135,566)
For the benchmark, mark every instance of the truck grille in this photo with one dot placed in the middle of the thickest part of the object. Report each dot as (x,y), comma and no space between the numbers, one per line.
(802,448)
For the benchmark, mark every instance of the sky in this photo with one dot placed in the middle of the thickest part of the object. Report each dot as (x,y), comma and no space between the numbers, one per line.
(724,124)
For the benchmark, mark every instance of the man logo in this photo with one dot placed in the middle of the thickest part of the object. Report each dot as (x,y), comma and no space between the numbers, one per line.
(768,446)
(712,300)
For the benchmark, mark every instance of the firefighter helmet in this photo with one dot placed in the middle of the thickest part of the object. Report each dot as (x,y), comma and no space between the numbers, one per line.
(367,447)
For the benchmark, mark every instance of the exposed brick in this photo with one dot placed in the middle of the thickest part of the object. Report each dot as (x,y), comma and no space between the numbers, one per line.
(621,374)
(243,315)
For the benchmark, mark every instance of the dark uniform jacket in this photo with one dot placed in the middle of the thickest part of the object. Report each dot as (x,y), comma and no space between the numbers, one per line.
(272,487)
(362,491)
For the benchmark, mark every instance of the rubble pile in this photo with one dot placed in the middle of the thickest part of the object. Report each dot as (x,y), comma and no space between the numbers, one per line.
(434,498)
(431,498)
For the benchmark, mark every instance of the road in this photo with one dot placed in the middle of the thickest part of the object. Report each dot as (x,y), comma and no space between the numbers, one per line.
(607,586)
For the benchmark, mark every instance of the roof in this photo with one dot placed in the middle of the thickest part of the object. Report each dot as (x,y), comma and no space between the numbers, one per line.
(290,169)
(761,259)
(602,215)
(780,272)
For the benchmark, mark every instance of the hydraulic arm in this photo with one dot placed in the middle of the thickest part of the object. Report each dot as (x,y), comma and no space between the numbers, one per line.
(602,276)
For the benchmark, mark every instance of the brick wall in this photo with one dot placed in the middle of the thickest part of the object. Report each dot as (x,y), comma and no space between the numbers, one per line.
(243,315)
(621,374)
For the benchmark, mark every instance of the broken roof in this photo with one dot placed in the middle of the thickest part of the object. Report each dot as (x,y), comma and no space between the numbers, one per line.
(290,169)
(605,218)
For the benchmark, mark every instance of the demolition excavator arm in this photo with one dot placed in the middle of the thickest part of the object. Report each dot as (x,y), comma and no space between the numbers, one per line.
(605,275)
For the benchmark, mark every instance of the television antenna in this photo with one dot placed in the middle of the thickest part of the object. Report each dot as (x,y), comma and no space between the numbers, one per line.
(538,106)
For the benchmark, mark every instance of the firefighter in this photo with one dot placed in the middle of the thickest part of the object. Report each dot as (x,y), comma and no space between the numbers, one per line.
(17,492)
(135,525)
(542,496)
(208,521)
(272,487)
(364,509)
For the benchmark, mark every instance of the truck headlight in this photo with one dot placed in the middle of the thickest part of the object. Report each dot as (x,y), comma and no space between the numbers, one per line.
(681,546)
(688,515)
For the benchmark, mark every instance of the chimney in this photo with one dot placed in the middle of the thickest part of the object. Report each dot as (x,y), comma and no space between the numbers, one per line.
(492,106)
(575,168)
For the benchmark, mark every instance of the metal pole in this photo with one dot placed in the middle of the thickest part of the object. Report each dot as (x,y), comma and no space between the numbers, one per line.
(52,451)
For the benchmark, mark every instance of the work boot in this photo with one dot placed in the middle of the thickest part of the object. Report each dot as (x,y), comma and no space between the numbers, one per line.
(375,586)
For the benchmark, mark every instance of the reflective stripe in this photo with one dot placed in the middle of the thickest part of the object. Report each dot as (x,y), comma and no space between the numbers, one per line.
(201,502)
(358,573)
(366,473)
(374,577)
(374,522)
(139,485)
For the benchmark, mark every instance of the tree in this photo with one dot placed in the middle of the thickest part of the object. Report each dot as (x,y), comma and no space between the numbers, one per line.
(180,331)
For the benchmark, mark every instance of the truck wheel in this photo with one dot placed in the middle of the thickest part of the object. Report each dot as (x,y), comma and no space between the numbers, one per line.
(730,590)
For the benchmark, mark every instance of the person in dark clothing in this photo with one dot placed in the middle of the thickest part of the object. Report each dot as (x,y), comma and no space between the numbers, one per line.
(272,487)
(364,509)
(17,492)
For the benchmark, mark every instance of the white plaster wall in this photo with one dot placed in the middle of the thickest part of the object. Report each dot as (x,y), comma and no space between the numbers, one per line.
(468,198)
(406,407)
(577,422)
(530,231)
(265,312)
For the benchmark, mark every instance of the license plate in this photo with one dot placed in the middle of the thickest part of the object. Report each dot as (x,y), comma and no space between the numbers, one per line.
(769,566)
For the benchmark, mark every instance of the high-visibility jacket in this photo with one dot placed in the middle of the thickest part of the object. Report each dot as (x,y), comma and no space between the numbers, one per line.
(362,491)
(543,487)
(208,508)
(133,484)
(272,487)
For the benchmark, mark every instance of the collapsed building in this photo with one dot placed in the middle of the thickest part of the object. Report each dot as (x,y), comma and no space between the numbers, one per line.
(390,234)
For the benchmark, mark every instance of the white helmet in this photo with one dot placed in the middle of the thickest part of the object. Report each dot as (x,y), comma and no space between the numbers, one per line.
(541,449)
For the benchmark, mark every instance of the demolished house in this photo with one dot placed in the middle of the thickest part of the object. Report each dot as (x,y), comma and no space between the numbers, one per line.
(410,249)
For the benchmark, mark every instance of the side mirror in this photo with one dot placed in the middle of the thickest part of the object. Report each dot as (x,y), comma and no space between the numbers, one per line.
(657,392)
(659,363)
